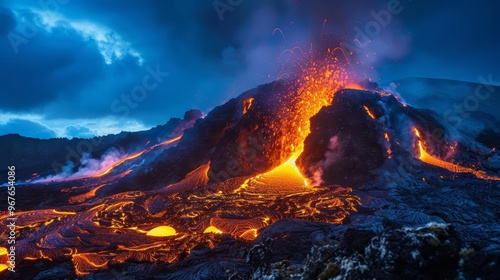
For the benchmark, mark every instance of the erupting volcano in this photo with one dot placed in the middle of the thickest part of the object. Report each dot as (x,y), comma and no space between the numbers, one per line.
(302,162)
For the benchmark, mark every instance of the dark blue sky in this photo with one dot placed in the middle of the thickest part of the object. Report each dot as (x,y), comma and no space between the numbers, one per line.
(82,68)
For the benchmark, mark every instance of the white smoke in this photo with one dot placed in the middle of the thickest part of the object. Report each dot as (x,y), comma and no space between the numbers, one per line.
(332,155)
(392,89)
(88,167)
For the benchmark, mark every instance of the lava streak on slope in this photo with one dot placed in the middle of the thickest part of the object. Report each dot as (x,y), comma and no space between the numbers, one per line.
(455,168)
(138,154)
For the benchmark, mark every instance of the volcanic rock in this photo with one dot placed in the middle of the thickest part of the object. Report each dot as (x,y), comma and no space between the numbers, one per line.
(345,143)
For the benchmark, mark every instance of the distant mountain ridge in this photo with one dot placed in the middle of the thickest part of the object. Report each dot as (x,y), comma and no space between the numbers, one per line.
(47,156)
(443,94)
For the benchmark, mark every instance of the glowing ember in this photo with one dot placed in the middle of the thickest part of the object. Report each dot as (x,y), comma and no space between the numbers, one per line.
(389,151)
(212,229)
(427,158)
(162,231)
(386,136)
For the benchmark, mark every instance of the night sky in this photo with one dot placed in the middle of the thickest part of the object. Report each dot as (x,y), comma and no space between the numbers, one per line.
(79,68)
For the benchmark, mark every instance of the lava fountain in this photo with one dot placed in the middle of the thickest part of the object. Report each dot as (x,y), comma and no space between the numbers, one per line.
(313,86)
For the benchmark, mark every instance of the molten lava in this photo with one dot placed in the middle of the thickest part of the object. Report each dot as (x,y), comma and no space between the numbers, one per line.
(427,158)
(138,154)
(389,151)
(313,87)
(247,103)
(162,231)
(212,229)
(3,259)
(318,81)
(369,112)
(284,176)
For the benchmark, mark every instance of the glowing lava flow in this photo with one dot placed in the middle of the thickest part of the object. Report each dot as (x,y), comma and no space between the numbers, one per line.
(284,176)
(315,84)
(3,259)
(247,104)
(427,158)
(162,231)
(369,112)
(138,154)
(317,81)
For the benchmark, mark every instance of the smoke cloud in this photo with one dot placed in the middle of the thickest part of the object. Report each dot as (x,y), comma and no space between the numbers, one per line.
(89,167)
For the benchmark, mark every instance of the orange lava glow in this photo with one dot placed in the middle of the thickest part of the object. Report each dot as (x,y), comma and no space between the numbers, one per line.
(427,158)
(315,84)
(285,175)
(212,229)
(3,259)
(138,154)
(250,234)
(87,263)
(82,197)
(247,103)
(369,113)
(162,231)
(354,86)
(318,82)
(389,151)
